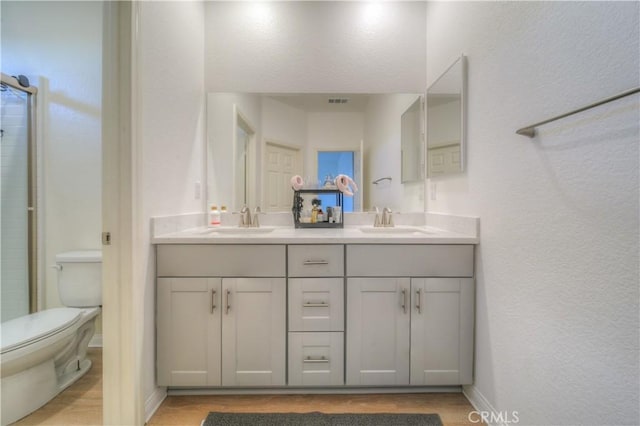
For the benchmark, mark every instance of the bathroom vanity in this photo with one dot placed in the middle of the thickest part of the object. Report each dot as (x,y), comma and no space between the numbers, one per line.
(292,308)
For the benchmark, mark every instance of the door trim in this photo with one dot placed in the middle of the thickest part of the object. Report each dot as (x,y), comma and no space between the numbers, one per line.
(250,178)
(122,330)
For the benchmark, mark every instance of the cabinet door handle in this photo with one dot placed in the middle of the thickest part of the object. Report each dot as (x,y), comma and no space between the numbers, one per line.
(315,305)
(404,300)
(228,307)
(419,300)
(309,360)
(213,300)
(315,262)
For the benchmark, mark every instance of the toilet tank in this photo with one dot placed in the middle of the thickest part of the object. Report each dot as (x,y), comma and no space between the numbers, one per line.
(80,278)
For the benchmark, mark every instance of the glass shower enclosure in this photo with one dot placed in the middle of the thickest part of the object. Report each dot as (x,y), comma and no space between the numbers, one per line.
(18,266)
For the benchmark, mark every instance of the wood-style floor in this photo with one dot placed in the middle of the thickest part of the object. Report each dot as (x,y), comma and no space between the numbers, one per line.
(453,408)
(81,404)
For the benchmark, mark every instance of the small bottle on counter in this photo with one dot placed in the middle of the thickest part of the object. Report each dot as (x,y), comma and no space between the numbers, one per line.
(214,217)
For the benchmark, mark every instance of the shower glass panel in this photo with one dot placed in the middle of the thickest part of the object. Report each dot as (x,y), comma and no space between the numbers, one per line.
(14,203)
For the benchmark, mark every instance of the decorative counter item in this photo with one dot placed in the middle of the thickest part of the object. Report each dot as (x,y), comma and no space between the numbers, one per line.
(318,218)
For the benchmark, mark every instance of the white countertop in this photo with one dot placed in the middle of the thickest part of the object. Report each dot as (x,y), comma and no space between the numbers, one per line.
(290,235)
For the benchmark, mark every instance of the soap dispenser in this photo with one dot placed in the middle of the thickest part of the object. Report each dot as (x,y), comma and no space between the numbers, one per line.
(214,217)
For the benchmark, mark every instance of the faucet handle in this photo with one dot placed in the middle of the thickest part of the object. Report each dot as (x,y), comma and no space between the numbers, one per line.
(245,216)
(241,217)
(387,217)
(255,222)
(376,220)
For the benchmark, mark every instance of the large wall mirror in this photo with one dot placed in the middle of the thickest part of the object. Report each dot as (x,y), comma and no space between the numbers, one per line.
(445,121)
(256,142)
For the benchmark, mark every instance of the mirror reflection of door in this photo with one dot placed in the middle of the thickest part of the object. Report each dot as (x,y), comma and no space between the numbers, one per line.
(333,163)
(281,163)
(242,142)
(242,162)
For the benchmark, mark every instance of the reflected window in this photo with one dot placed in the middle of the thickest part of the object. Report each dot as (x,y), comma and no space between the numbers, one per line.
(331,164)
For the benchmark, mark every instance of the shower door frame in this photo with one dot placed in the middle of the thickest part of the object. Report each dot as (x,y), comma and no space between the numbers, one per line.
(32,201)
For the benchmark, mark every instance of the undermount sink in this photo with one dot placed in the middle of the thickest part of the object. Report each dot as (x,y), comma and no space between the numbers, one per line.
(241,230)
(393,230)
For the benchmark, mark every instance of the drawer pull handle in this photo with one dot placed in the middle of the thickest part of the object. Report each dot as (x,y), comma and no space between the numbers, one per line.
(315,262)
(315,360)
(228,301)
(315,305)
(404,300)
(213,300)
(419,300)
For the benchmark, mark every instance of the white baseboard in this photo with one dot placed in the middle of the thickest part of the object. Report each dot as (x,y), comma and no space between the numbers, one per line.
(153,402)
(96,341)
(479,402)
(295,390)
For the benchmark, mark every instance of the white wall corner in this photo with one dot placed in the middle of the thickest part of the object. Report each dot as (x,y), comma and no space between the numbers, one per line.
(153,402)
(481,404)
(469,225)
(175,223)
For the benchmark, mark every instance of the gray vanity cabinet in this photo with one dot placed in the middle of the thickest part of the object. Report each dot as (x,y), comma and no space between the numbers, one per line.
(409,314)
(378,319)
(227,328)
(442,331)
(222,315)
(316,314)
(253,332)
(189,331)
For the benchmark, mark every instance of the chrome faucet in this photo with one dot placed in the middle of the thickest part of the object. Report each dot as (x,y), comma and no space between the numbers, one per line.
(387,218)
(255,222)
(245,217)
(376,221)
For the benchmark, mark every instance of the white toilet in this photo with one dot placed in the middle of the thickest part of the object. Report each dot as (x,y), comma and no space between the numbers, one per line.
(45,352)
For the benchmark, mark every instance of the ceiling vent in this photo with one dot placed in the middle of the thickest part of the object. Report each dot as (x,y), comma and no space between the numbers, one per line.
(338,100)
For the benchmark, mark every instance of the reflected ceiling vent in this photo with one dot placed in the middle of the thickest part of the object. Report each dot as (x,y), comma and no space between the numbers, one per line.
(338,100)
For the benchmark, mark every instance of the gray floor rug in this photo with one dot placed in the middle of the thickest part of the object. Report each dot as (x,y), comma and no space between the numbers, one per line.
(320,419)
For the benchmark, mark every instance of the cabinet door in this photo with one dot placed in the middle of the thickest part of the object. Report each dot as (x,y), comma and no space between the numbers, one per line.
(253,331)
(442,331)
(378,312)
(188,335)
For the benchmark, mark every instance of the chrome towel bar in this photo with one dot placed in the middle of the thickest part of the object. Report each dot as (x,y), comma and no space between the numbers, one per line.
(530,131)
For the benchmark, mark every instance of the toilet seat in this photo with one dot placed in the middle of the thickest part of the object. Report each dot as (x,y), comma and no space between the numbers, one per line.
(20,332)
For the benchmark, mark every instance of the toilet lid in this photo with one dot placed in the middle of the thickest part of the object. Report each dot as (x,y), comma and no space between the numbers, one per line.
(29,328)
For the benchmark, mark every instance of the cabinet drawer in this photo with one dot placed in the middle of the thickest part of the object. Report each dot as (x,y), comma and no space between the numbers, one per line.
(316,304)
(377,260)
(316,261)
(242,260)
(316,359)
